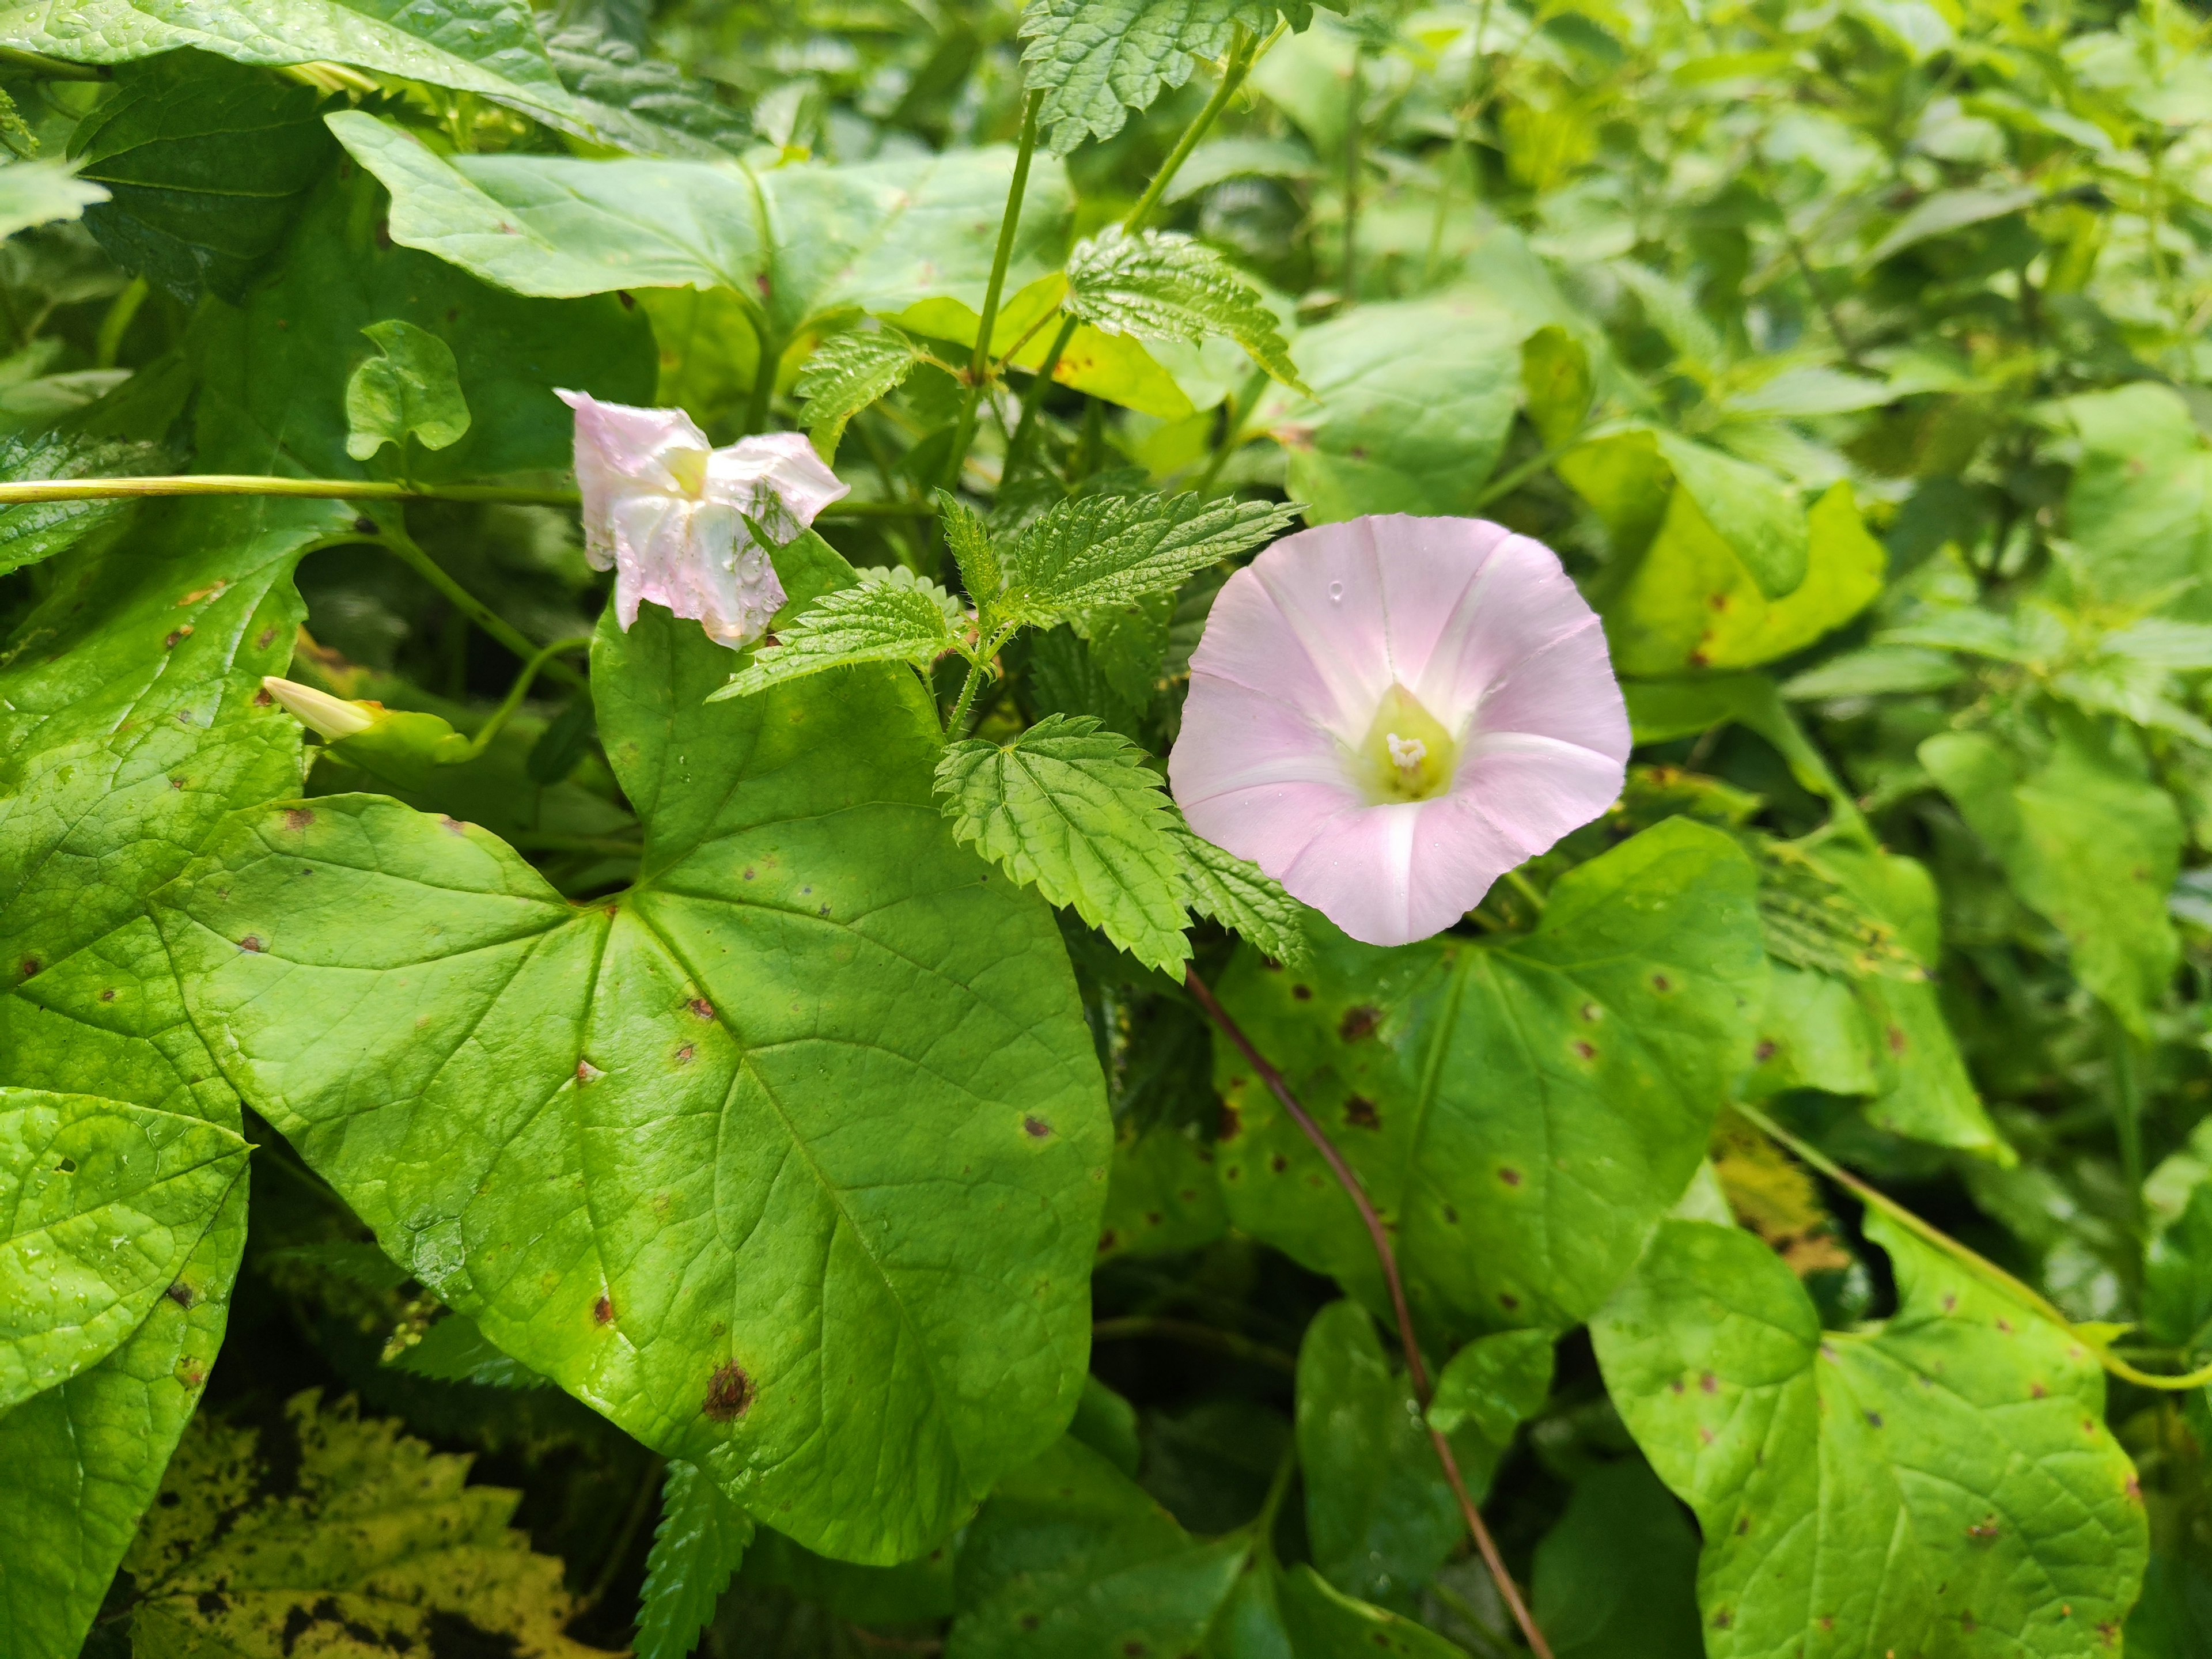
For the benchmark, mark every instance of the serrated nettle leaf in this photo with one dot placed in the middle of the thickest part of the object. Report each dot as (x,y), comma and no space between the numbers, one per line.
(698,1545)
(274,371)
(1100,550)
(1073,811)
(968,540)
(455,1349)
(1940,1482)
(765,1078)
(412,387)
(1453,1074)
(807,241)
(892,617)
(31,531)
(1129,645)
(379,1543)
(206,162)
(1097,62)
(847,372)
(105,1202)
(1165,284)
(638,103)
(1243,898)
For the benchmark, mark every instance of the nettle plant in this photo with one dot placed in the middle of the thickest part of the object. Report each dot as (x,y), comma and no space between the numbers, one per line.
(1602,1048)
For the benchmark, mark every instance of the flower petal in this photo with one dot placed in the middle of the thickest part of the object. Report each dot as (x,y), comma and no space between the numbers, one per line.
(776,479)
(621,450)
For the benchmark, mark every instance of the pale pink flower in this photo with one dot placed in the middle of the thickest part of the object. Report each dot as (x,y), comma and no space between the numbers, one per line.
(1389,715)
(666,512)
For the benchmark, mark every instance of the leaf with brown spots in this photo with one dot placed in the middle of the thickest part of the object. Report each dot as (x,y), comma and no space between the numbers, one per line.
(1898,1480)
(378,1546)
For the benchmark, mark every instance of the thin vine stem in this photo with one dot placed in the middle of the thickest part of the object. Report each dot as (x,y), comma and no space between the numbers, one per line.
(356,489)
(979,361)
(1416,1370)
(1988,1271)
(500,715)
(391,534)
(1189,1331)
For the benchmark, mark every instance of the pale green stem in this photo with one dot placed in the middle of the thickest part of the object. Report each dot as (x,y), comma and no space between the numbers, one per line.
(1352,178)
(979,361)
(1018,447)
(978,669)
(2127,1109)
(393,536)
(1526,888)
(499,716)
(357,489)
(108,345)
(53,68)
(1240,417)
(1983,1268)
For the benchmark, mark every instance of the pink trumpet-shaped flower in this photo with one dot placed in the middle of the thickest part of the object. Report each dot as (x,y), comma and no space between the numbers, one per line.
(666,512)
(1389,715)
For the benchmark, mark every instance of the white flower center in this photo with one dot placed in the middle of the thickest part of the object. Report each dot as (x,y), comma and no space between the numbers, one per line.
(1405,753)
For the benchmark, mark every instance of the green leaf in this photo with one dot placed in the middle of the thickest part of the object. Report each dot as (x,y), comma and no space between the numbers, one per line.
(814,1018)
(970,541)
(1946,210)
(1412,403)
(1749,509)
(1555,384)
(1692,602)
(104,1203)
(808,240)
(2139,510)
(1488,1390)
(1166,285)
(1661,709)
(2087,840)
(379,1541)
(41,192)
(31,531)
(413,388)
(132,720)
(1108,1425)
(1619,1574)
(1940,1482)
(1449,1073)
(273,390)
(206,163)
(697,1547)
(1161,1199)
(1096,60)
(847,372)
(892,616)
(1074,812)
(641,104)
(1100,550)
(455,1349)
(1379,1515)
(1222,887)
(2177,1296)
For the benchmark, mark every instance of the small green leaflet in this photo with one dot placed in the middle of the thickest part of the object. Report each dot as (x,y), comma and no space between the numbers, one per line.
(1101,551)
(1073,810)
(1162,284)
(1487,1390)
(375,1542)
(455,1349)
(100,1204)
(1096,60)
(700,1541)
(40,192)
(847,372)
(1222,887)
(412,387)
(1897,1488)
(973,550)
(893,616)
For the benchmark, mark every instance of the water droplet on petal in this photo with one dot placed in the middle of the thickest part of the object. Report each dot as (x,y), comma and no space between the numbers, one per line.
(1336,592)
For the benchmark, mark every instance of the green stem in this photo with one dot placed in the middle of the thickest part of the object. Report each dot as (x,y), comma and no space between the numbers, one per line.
(2127,1110)
(391,534)
(53,68)
(1198,1336)
(1242,56)
(357,489)
(771,360)
(1240,417)
(1526,888)
(1271,1506)
(108,345)
(1979,1265)
(979,360)
(1351,178)
(499,716)
(979,666)
(1024,436)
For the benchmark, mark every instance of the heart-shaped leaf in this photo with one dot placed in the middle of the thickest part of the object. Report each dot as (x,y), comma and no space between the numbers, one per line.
(790,1159)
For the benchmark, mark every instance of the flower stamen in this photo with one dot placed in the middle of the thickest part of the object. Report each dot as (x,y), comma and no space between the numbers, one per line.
(1407,753)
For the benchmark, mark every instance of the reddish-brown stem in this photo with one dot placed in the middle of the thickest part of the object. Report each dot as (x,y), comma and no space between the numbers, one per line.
(1416,1370)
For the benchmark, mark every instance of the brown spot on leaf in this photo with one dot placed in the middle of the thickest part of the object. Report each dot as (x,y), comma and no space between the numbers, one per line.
(602,1310)
(1662,984)
(683,1055)
(1508,1301)
(700,1008)
(1511,1177)
(1360,1112)
(1584,1051)
(1232,1124)
(265,639)
(1451,1216)
(181,1294)
(1279,1163)
(1036,1129)
(107,995)
(1302,992)
(31,967)
(728,1393)
(263,699)
(252,942)
(1358,1022)
(171,642)
(453,826)
(1106,1240)
(298,818)
(1895,1037)
(1983,1531)
(1763,1053)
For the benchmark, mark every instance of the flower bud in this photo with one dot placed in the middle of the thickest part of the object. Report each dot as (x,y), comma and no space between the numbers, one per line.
(328,717)
(400,746)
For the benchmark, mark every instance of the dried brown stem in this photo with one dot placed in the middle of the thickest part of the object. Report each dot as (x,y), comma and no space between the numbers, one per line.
(1416,1370)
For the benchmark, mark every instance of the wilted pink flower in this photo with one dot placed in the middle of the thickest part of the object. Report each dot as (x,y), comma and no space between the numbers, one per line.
(1387,715)
(667,513)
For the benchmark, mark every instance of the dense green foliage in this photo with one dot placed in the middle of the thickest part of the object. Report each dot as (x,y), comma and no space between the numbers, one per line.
(751,1102)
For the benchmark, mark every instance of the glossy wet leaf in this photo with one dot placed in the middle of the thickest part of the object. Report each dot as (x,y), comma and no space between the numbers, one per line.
(807,240)
(104,1203)
(410,388)
(1073,811)
(1163,284)
(847,372)
(1940,1482)
(1454,1075)
(1242,897)
(1485,1393)
(788,1159)
(206,162)
(698,1545)
(1096,63)
(893,616)
(378,1545)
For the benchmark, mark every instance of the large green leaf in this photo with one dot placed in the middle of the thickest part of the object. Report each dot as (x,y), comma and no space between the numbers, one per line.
(1412,400)
(2140,508)
(807,241)
(2087,840)
(275,371)
(789,1159)
(1617,1578)
(103,1201)
(205,163)
(1521,1111)
(1940,1483)
(31,531)
(132,721)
